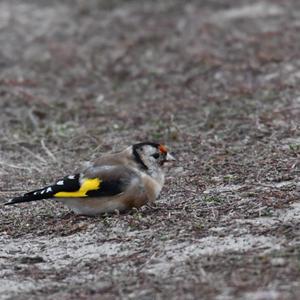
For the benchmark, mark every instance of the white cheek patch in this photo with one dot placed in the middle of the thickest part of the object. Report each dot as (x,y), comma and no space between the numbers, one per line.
(49,189)
(71,177)
(149,150)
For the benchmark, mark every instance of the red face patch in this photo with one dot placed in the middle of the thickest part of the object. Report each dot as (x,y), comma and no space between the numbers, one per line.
(163,149)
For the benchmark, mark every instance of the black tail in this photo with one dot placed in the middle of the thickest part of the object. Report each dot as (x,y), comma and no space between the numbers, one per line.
(67,184)
(32,196)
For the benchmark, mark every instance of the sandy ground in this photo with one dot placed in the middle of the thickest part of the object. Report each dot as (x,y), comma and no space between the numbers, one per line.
(217,81)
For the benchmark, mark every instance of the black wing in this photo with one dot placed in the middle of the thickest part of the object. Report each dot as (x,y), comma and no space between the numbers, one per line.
(95,182)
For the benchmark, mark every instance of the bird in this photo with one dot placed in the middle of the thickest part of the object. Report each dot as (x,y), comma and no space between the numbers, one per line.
(119,181)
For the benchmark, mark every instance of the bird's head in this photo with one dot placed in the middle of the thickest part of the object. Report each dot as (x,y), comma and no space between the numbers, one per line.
(151,156)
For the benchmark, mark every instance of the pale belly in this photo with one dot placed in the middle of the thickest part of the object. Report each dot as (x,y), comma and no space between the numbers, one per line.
(94,206)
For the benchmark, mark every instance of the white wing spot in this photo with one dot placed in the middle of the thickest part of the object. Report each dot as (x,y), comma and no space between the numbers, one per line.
(35,193)
(49,189)
(43,191)
(60,182)
(71,177)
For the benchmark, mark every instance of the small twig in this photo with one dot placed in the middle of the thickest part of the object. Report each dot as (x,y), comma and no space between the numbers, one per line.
(33,119)
(276,187)
(5,164)
(35,155)
(10,191)
(48,152)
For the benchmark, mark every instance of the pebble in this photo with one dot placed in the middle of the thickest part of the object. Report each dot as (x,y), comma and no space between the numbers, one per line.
(278,262)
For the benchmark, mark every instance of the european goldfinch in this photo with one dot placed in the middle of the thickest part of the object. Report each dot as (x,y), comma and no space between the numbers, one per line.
(119,181)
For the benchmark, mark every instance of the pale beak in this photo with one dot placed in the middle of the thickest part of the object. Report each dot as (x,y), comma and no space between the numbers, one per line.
(169,157)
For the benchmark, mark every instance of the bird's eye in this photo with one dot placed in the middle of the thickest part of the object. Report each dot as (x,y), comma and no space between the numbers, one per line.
(155,155)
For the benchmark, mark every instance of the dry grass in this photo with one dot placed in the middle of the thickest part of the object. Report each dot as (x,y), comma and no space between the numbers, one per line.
(218,82)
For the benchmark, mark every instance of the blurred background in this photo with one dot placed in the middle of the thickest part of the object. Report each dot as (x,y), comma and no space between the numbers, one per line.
(217,81)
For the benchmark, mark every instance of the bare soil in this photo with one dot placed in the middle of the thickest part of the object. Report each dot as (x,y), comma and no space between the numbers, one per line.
(218,82)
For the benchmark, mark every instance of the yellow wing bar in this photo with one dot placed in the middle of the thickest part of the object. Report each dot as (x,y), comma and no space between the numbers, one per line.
(86,186)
